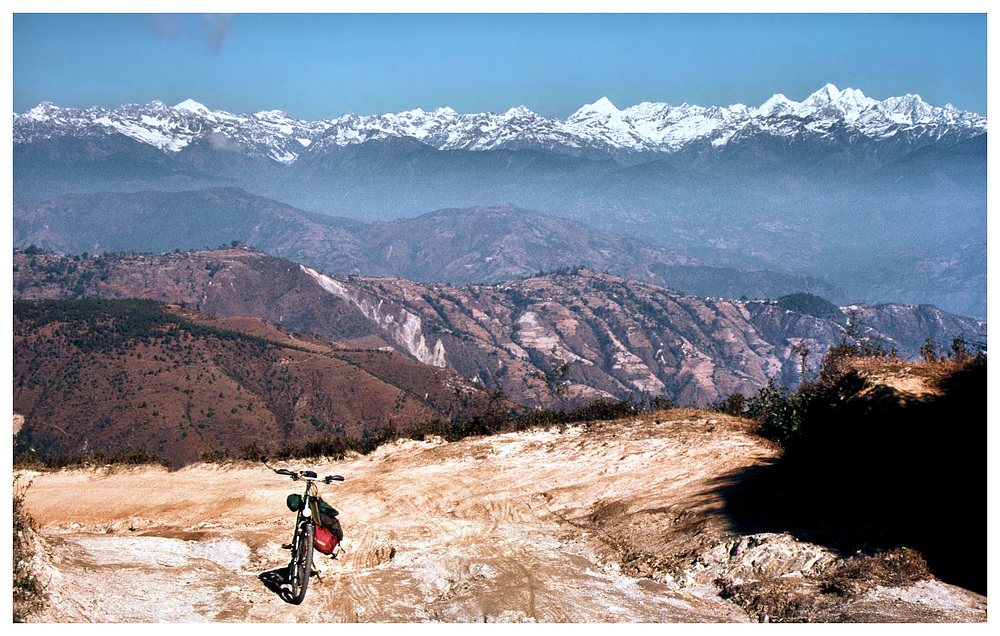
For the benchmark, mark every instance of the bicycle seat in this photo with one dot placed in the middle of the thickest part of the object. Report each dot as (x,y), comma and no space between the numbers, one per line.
(308,474)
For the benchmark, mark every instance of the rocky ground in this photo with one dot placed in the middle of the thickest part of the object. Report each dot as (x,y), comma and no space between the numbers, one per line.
(621,521)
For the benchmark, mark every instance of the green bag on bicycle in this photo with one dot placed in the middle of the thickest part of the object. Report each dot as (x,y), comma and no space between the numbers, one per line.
(327,509)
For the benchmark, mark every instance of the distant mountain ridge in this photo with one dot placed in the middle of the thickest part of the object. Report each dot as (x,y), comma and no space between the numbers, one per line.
(600,127)
(486,244)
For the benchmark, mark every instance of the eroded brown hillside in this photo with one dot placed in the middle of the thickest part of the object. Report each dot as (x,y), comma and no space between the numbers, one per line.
(125,376)
(549,340)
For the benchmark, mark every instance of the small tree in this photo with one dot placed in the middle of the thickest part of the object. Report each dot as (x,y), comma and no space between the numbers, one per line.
(959,349)
(733,405)
(928,351)
(803,352)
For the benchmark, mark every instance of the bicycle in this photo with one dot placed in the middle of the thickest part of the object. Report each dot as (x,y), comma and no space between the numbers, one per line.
(307,517)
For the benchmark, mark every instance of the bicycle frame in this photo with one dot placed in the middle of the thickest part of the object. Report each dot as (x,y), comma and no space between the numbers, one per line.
(310,509)
(306,519)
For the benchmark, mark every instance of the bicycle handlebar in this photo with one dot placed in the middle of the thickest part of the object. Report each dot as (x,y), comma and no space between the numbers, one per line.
(307,475)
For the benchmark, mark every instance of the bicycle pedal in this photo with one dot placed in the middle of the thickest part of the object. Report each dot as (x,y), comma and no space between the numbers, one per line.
(286,546)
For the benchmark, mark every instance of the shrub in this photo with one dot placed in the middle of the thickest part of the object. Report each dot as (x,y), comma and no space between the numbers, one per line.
(100,458)
(960,349)
(26,458)
(727,588)
(734,405)
(928,351)
(781,414)
(603,410)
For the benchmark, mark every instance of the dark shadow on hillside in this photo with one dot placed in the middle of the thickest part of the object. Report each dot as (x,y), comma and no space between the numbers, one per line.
(880,471)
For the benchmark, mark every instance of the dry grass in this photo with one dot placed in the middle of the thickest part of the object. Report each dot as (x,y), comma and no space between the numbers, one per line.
(919,378)
(29,593)
(773,600)
(783,599)
(709,418)
(858,575)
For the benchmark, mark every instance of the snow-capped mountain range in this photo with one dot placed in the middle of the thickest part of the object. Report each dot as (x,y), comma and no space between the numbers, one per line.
(646,128)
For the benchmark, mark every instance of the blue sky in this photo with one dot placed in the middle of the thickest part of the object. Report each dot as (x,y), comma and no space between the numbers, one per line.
(323,66)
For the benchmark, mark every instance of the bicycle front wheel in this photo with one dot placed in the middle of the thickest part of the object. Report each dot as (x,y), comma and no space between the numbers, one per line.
(301,565)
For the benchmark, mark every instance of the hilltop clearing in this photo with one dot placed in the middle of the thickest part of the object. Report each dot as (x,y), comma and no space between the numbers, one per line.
(618,521)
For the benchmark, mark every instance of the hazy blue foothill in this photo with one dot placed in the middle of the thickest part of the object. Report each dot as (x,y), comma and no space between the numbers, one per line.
(885,200)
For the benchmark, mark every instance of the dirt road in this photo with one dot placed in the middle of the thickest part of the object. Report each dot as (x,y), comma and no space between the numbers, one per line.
(578,525)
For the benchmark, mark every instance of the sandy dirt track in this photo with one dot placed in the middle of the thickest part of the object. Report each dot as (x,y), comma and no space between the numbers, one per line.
(532,526)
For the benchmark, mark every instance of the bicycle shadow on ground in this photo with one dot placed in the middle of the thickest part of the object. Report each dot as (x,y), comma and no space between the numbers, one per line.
(277,581)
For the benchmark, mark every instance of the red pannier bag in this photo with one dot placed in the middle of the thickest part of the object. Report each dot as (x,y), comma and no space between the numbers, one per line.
(324,540)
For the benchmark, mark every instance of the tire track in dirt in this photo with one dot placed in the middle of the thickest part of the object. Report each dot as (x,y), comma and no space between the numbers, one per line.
(468,531)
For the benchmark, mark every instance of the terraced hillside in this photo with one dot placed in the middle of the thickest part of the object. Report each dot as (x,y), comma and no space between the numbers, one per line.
(551,340)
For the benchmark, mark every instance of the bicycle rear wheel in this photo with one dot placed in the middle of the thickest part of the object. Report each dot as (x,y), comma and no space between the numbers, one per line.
(301,565)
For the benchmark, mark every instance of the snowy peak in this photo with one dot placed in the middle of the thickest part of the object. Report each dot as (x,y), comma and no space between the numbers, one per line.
(191,106)
(853,102)
(909,109)
(270,115)
(603,106)
(828,102)
(44,110)
(518,111)
(855,96)
(777,106)
(598,129)
(849,97)
(826,95)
